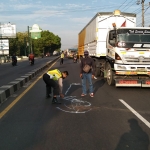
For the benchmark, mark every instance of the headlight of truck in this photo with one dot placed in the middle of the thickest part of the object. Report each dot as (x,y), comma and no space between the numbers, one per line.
(121,67)
(117,57)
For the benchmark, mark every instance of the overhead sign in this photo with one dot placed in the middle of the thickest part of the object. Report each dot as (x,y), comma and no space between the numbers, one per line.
(7,30)
(4,44)
(35,35)
(36,32)
(4,47)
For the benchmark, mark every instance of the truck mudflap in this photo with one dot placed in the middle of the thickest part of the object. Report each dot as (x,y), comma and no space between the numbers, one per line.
(132,82)
(146,83)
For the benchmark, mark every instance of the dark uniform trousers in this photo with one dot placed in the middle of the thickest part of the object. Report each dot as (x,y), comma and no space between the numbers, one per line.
(51,83)
(61,61)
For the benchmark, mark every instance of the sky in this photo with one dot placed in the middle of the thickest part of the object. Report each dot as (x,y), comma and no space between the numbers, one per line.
(65,18)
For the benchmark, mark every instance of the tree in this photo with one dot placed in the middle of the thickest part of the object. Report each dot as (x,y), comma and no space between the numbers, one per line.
(47,43)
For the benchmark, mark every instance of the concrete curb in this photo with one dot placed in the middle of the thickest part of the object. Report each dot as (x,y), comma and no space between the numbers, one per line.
(9,89)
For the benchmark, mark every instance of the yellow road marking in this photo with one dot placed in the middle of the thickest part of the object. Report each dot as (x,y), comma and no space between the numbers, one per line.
(21,95)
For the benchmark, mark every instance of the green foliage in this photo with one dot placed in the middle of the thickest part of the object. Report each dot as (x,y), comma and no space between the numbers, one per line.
(46,44)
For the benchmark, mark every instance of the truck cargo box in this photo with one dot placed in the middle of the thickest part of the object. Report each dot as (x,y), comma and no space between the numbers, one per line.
(93,36)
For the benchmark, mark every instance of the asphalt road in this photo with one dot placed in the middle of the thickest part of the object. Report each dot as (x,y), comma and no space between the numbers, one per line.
(9,73)
(115,119)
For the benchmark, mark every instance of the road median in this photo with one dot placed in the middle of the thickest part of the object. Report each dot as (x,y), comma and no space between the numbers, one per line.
(7,90)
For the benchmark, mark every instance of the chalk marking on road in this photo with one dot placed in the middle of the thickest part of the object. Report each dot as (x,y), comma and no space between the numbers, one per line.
(68,89)
(76,105)
(21,95)
(135,113)
(71,86)
(75,112)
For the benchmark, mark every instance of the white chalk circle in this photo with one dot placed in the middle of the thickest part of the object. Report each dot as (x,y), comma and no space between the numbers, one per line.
(75,105)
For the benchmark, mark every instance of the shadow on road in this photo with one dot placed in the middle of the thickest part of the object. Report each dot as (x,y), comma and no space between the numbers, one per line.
(135,139)
(98,84)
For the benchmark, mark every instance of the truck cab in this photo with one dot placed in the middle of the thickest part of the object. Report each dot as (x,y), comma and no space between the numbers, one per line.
(128,52)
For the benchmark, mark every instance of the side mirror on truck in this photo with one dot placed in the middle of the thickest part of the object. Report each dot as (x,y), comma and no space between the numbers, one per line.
(112,36)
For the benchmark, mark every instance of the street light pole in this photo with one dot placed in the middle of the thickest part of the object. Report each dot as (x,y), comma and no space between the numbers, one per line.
(25,45)
(29,39)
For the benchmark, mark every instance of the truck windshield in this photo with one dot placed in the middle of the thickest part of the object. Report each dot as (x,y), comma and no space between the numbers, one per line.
(135,35)
(136,38)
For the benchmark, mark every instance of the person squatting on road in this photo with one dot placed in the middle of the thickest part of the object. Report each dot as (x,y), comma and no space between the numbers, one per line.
(87,76)
(62,58)
(54,78)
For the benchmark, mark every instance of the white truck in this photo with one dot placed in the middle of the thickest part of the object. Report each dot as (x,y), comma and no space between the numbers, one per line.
(121,50)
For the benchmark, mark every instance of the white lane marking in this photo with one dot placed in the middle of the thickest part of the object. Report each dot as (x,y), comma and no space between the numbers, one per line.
(135,113)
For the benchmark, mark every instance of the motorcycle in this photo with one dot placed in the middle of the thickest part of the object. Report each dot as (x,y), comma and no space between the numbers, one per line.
(14,62)
(31,62)
(75,59)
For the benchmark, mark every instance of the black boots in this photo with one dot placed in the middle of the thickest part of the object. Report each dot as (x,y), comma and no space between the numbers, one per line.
(48,92)
(55,101)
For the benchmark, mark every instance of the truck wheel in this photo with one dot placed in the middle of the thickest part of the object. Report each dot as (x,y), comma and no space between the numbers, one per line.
(110,75)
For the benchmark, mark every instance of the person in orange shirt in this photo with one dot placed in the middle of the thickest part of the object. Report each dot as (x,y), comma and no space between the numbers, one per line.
(31,58)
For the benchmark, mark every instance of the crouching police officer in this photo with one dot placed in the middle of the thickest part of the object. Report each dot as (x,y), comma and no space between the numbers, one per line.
(50,78)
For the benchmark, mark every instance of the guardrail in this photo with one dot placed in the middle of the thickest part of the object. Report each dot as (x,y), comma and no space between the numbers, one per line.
(7,90)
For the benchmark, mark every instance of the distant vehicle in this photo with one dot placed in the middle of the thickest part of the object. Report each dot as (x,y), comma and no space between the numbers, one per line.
(71,53)
(75,58)
(55,53)
(31,62)
(47,54)
(14,62)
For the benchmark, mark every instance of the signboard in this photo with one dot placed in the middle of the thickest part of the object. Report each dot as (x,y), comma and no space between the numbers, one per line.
(4,52)
(134,31)
(7,30)
(35,35)
(4,47)
(35,32)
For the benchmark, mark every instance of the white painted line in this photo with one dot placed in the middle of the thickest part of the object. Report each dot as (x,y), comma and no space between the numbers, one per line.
(135,113)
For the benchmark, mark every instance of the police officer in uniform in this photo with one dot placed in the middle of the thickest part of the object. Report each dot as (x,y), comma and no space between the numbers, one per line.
(54,78)
(62,58)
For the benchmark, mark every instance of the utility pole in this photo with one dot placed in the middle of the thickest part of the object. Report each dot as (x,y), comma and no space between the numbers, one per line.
(143,9)
(142,12)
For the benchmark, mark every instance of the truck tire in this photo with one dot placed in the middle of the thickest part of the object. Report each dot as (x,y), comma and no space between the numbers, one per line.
(110,75)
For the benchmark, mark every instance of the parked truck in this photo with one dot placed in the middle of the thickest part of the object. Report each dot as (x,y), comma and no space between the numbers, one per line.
(121,50)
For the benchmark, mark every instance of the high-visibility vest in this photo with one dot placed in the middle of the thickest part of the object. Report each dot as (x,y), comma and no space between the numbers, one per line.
(62,55)
(54,74)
